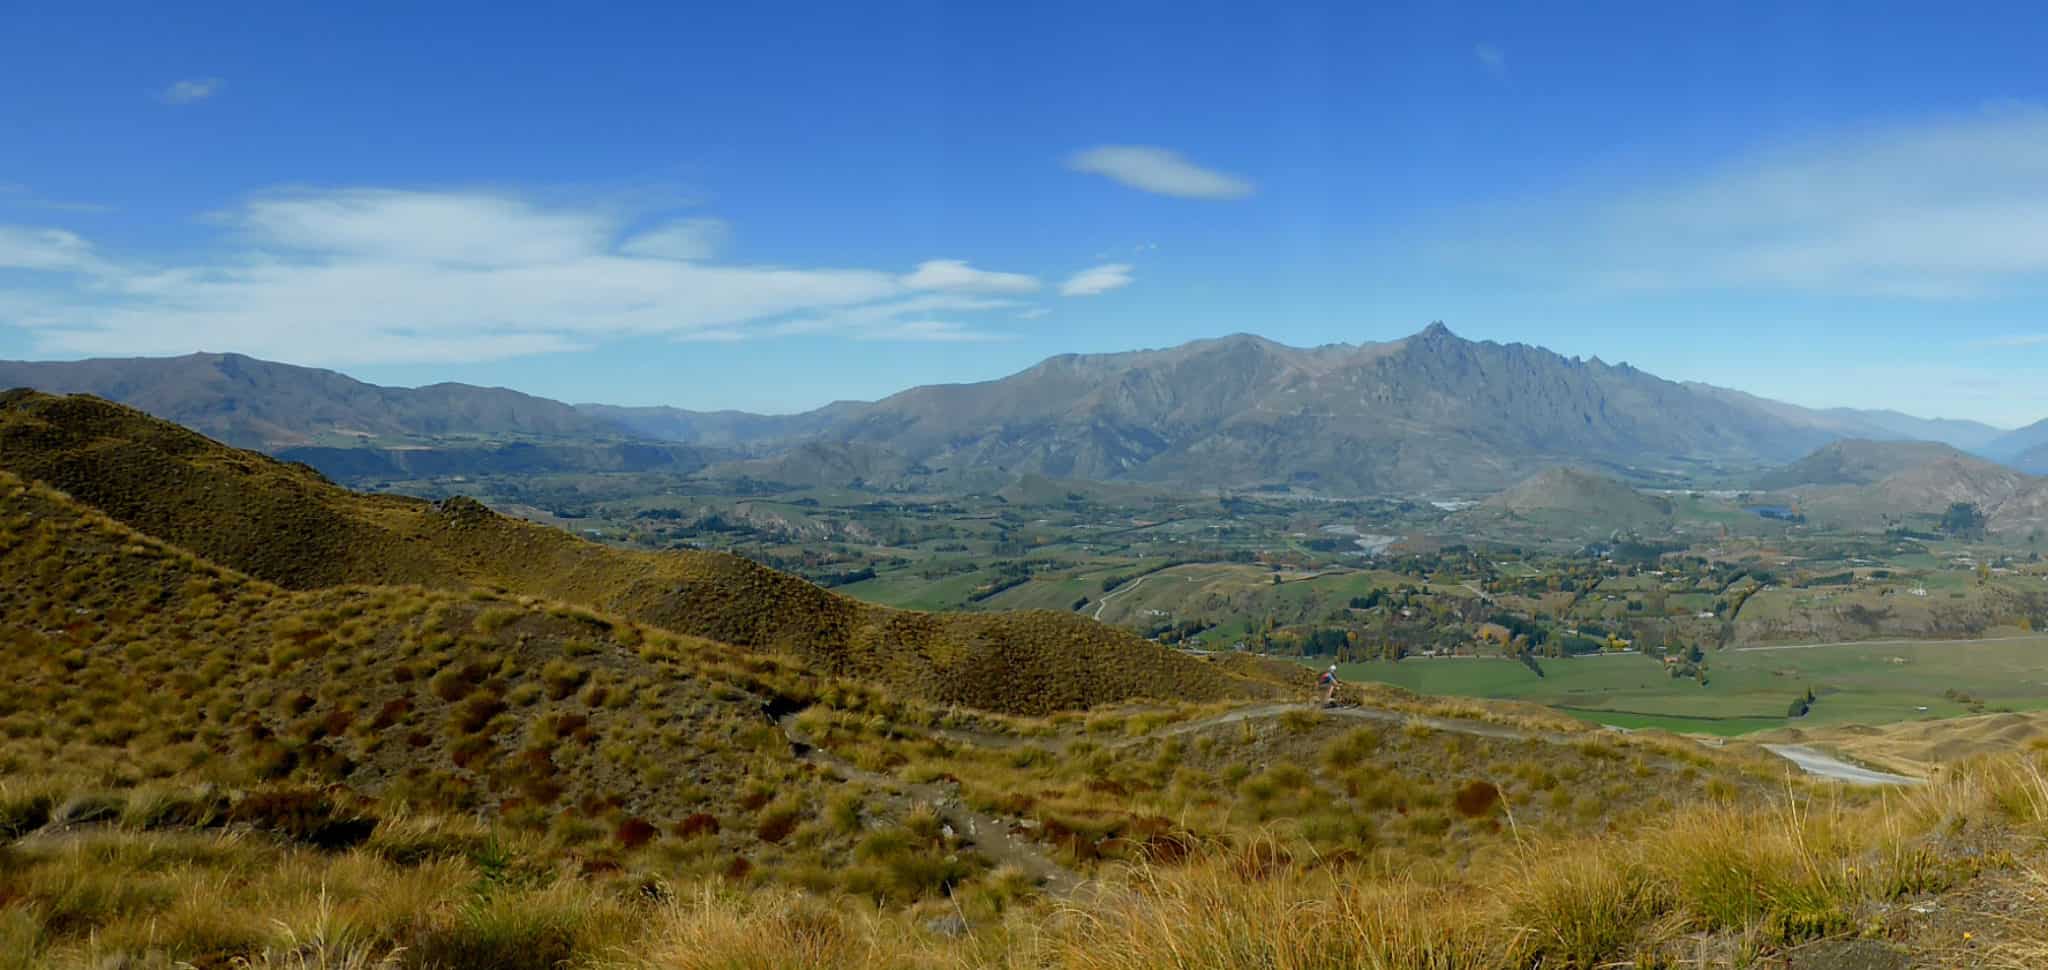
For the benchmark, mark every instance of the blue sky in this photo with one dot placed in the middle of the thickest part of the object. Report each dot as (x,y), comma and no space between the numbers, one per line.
(782,205)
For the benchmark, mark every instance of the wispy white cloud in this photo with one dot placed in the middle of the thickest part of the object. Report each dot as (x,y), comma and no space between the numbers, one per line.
(47,250)
(191,90)
(1492,58)
(1159,170)
(683,239)
(17,195)
(956,275)
(1032,313)
(355,276)
(932,331)
(889,319)
(716,335)
(1098,279)
(471,229)
(1945,209)
(2016,340)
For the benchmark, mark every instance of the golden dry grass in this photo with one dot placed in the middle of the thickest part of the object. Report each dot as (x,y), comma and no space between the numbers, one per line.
(285,524)
(1752,883)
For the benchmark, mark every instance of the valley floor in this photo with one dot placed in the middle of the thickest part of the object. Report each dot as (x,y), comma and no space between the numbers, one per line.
(1753,689)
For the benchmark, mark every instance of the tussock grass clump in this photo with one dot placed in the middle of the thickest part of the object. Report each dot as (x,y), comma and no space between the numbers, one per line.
(540,929)
(712,930)
(25,807)
(304,814)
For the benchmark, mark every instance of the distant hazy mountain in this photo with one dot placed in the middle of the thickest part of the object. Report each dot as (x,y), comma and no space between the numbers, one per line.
(1427,413)
(1859,461)
(2033,461)
(1971,436)
(259,404)
(735,429)
(827,464)
(1855,423)
(332,422)
(1868,482)
(2028,444)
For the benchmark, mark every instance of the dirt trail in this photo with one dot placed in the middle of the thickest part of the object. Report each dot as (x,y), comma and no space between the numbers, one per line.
(1125,588)
(989,836)
(1473,728)
(1825,765)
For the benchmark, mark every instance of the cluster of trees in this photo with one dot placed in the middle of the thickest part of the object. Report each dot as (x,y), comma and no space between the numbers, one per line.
(1403,597)
(1168,631)
(1315,642)
(1963,519)
(1522,628)
(1800,705)
(1008,575)
(842,577)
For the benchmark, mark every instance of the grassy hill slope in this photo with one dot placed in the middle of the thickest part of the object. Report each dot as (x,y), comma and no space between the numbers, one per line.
(1857,462)
(1573,500)
(287,525)
(127,654)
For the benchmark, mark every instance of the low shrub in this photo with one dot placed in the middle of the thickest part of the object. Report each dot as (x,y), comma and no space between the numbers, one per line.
(303,814)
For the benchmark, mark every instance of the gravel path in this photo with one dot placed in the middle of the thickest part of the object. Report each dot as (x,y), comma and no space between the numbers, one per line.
(1828,766)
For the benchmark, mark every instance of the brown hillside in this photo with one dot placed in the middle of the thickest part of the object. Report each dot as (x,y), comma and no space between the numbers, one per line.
(122,648)
(311,713)
(287,525)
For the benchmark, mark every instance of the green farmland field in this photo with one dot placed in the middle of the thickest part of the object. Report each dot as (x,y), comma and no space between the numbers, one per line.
(1751,690)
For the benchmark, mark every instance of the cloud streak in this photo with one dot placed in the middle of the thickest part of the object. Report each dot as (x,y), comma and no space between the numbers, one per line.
(1097,280)
(932,331)
(2016,340)
(16,195)
(956,275)
(191,91)
(47,250)
(686,240)
(1940,210)
(1159,171)
(1492,58)
(356,276)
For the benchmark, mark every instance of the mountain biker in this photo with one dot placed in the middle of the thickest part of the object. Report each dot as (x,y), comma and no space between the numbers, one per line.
(1329,682)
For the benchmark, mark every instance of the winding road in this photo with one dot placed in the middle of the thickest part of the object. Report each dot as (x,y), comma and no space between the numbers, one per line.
(1828,766)
(1125,588)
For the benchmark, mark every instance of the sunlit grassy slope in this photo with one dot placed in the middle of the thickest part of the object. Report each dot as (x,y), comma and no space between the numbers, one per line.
(286,525)
(130,658)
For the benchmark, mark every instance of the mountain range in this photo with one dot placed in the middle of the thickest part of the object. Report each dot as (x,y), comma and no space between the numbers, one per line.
(1431,413)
